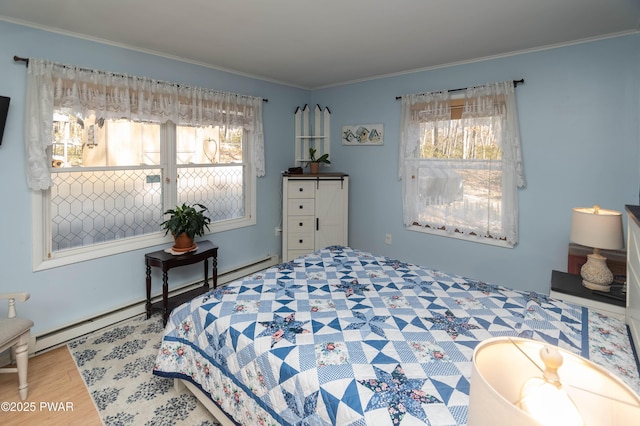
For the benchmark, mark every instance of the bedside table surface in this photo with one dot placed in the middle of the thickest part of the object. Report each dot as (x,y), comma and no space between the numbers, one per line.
(571,284)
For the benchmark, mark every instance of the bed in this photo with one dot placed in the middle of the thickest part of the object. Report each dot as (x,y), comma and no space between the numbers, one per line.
(345,337)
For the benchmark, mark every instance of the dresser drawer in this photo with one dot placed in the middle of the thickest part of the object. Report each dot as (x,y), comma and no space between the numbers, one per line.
(301,206)
(297,224)
(300,240)
(301,189)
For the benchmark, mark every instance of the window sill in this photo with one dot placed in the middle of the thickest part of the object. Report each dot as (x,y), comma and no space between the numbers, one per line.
(459,236)
(96,251)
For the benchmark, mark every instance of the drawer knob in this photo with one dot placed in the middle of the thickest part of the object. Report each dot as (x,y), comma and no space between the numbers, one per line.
(301,207)
(300,241)
(300,224)
(300,189)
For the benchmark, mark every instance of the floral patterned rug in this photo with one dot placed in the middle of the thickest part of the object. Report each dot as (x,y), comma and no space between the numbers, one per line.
(116,365)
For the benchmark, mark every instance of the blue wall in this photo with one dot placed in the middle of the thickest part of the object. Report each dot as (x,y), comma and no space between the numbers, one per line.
(580,134)
(579,128)
(67,294)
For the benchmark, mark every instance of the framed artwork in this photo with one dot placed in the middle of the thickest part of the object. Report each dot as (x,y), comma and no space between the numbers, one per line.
(363,134)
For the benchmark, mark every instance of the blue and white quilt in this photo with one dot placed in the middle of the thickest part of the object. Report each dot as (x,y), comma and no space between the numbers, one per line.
(343,337)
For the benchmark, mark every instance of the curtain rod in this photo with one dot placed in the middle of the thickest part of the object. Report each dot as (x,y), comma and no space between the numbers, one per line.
(26,62)
(515,84)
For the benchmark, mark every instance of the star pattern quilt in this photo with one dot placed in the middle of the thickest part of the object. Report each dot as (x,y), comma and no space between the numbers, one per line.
(344,337)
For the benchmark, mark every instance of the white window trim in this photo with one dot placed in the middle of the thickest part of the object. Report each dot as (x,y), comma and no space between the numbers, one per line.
(461,236)
(42,260)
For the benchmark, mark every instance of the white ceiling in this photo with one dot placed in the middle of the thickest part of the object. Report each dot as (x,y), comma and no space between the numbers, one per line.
(313,44)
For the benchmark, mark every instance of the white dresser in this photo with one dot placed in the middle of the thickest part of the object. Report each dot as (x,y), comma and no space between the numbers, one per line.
(633,272)
(314,212)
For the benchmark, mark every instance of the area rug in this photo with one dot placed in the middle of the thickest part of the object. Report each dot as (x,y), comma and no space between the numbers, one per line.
(116,365)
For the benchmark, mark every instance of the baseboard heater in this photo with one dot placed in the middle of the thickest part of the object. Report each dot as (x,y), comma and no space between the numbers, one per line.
(53,338)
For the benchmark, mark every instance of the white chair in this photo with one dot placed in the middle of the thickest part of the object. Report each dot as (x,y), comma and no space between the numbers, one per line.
(15,334)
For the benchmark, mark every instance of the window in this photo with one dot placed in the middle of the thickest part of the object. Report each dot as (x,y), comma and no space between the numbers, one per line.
(105,186)
(460,164)
(213,170)
(108,176)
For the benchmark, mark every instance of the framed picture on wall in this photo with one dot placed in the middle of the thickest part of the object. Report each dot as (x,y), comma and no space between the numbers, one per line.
(363,134)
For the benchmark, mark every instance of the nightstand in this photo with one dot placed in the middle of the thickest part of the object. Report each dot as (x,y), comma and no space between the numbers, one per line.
(206,250)
(568,287)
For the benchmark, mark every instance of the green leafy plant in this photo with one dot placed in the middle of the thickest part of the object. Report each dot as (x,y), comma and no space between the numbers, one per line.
(189,219)
(324,158)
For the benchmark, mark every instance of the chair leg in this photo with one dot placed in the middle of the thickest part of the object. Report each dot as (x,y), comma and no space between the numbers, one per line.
(22,362)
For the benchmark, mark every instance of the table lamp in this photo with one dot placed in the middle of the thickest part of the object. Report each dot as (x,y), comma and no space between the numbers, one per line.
(516,381)
(600,229)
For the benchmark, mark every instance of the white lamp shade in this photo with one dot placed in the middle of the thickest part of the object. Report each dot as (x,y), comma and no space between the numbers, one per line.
(597,228)
(502,365)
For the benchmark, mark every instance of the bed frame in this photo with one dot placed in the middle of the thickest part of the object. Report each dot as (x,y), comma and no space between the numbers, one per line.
(216,412)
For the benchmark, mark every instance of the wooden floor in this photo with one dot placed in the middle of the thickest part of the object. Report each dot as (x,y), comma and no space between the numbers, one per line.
(57,394)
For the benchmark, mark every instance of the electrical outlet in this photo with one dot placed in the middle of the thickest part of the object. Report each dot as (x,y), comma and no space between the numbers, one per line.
(387,239)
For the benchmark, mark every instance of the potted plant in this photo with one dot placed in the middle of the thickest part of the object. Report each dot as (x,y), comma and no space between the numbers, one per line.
(314,163)
(185,223)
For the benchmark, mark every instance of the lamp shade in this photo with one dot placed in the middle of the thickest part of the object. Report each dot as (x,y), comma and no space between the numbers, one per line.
(502,366)
(597,228)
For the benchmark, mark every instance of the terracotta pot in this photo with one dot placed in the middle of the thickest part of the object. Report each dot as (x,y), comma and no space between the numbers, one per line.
(183,243)
(314,168)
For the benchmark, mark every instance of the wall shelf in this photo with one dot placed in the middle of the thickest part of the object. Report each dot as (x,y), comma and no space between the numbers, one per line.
(310,134)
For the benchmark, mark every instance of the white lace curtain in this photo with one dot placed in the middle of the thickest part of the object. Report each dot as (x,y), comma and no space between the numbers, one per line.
(52,86)
(492,105)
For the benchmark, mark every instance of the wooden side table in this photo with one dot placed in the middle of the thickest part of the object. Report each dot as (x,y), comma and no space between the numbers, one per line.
(162,259)
(568,287)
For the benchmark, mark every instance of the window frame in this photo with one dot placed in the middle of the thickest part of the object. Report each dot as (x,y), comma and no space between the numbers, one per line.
(43,258)
(456,107)
(460,236)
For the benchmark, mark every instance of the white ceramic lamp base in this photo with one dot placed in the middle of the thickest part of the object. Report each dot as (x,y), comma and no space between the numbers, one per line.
(595,273)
